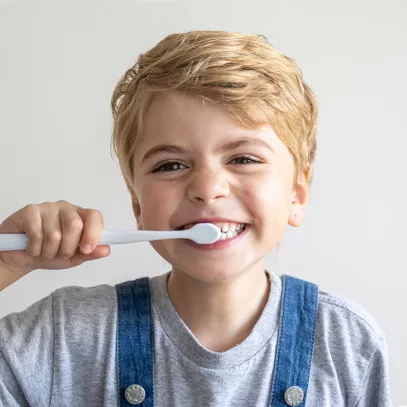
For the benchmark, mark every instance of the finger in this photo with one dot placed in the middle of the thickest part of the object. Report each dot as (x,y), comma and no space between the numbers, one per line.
(92,229)
(51,227)
(32,227)
(72,228)
(98,253)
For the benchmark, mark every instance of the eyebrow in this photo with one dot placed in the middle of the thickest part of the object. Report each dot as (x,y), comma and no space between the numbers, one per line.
(233,145)
(163,148)
(246,141)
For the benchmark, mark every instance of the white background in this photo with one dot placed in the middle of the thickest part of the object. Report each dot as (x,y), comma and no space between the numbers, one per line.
(59,63)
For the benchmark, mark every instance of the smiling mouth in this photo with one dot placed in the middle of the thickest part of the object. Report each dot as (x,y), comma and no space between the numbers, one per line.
(229,229)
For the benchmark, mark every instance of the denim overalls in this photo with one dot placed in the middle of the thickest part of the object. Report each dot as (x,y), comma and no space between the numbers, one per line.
(295,343)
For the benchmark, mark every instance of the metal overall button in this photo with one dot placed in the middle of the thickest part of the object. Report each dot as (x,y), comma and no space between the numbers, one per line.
(135,394)
(294,395)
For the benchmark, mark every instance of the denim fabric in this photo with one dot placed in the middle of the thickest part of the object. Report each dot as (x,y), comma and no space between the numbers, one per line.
(295,344)
(135,347)
(135,357)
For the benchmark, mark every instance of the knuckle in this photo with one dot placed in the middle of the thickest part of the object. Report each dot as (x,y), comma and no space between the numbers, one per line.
(75,224)
(30,208)
(96,213)
(53,235)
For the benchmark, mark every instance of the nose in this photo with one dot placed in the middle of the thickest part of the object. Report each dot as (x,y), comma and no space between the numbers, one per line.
(207,186)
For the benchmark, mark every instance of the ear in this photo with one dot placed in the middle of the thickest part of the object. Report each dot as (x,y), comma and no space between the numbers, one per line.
(136,210)
(299,200)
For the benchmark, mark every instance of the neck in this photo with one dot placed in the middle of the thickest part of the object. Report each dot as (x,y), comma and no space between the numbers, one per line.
(220,314)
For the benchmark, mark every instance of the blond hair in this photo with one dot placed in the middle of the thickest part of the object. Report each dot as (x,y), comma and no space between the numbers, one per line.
(244,74)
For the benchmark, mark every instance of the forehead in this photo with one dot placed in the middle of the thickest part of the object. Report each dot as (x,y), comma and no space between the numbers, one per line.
(176,112)
(196,124)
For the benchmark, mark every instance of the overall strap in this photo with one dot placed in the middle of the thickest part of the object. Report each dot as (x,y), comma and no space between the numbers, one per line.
(295,344)
(135,344)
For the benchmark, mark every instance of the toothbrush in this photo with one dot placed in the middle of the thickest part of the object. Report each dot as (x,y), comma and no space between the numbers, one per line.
(202,233)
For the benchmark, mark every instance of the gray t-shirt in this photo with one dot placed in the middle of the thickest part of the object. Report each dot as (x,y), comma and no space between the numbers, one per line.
(61,351)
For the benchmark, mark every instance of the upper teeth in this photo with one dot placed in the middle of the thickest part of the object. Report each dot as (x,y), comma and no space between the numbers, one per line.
(228,229)
(231,231)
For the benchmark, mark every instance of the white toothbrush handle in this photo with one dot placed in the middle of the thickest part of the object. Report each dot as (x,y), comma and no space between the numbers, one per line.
(133,236)
(19,241)
(13,241)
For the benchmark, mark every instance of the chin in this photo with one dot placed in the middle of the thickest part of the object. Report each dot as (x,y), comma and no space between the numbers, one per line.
(209,266)
(210,273)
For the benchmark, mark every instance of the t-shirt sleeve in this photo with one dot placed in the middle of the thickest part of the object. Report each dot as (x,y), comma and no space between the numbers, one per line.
(26,356)
(375,391)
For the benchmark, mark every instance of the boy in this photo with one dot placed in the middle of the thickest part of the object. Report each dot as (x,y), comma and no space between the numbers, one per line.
(208,127)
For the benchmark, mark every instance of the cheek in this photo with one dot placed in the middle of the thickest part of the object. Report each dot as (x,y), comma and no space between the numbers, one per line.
(265,198)
(158,203)
(262,191)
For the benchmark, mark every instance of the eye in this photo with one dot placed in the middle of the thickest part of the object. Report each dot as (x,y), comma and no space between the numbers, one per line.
(169,166)
(245,159)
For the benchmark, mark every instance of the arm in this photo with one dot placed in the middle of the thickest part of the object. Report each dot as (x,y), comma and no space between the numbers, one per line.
(375,390)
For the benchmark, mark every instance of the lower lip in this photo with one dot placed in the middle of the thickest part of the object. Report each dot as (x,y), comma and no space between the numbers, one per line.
(219,244)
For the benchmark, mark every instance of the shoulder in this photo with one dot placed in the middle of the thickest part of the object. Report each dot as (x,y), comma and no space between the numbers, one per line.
(340,313)
(84,308)
(347,340)
(100,296)
(68,306)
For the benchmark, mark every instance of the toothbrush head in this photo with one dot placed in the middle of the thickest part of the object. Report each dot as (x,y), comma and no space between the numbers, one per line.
(204,233)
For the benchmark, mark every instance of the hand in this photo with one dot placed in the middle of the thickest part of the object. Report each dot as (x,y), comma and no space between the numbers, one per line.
(54,230)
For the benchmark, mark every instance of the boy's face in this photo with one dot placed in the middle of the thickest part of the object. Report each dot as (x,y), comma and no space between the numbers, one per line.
(189,166)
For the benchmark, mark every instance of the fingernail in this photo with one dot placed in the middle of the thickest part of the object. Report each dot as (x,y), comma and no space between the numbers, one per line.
(86,249)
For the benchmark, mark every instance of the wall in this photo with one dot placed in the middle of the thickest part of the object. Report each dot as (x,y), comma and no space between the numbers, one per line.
(60,62)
